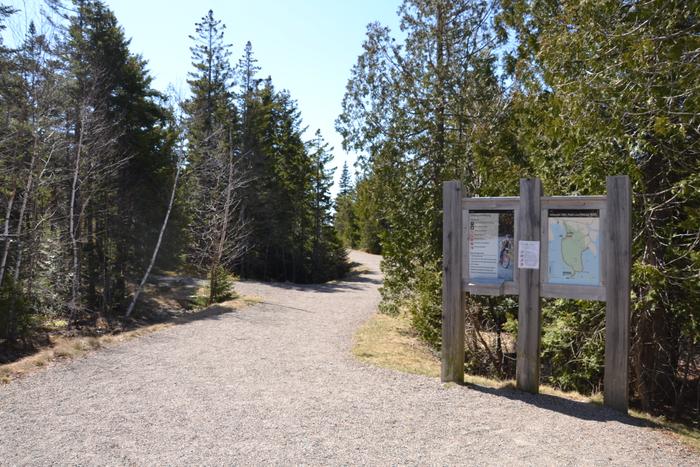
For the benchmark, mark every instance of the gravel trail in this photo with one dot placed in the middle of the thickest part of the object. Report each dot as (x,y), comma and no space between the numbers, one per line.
(275,383)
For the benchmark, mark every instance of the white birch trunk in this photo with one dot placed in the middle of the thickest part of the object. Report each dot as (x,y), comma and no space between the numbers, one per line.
(155,250)
(6,236)
(72,224)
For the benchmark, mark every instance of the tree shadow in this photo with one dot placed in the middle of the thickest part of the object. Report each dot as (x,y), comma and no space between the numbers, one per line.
(577,409)
(353,280)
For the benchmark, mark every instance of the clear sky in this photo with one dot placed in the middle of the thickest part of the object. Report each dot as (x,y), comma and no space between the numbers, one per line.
(306,46)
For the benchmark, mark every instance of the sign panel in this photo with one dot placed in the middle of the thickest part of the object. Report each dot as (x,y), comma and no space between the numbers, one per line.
(529,254)
(566,264)
(490,245)
(573,245)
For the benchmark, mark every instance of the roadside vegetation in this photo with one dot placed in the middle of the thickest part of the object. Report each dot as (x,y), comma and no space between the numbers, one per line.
(488,92)
(105,181)
(175,300)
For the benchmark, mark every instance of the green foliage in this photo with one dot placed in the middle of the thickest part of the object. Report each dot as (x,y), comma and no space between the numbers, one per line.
(16,318)
(573,344)
(86,177)
(221,286)
(425,305)
(416,110)
(593,89)
(345,220)
(278,209)
(611,87)
(368,215)
(287,204)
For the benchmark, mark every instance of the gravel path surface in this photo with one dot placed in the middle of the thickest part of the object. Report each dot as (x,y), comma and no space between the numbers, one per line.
(275,383)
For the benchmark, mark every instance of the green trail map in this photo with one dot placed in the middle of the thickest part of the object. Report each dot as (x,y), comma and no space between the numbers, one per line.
(574,247)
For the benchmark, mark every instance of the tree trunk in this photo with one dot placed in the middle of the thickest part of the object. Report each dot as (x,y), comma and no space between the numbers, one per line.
(73,225)
(18,259)
(157,248)
(6,235)
(224,226)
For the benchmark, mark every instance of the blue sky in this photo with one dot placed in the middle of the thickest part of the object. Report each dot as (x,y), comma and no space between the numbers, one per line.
(307,46)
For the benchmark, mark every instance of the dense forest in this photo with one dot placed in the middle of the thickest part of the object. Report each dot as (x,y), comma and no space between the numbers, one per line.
(104,179)
(567,91)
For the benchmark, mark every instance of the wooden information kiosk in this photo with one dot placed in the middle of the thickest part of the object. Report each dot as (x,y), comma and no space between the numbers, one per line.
(537,246)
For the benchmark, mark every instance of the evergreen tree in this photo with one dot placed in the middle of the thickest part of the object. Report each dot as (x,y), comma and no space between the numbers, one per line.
(345,184)
(345,222)
(211,104)
(287,206)
(122,149)
(608,88)
(93,141)
(367,213)
(327,254)
(215,174)
(415,111)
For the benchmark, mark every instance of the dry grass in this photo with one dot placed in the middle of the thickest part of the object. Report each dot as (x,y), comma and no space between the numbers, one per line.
(67,348)
(389,342)
(687,435)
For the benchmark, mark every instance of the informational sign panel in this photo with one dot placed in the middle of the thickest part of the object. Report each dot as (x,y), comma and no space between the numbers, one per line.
(573,247)
(491,245)
(528,254)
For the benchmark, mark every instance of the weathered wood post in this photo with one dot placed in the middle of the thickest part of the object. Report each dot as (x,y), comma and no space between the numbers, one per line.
(453,299)
(617,292)
(527,370)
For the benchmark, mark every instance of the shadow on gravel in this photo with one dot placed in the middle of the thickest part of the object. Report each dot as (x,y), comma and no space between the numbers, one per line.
(581,410)
(355,280)
(212,312)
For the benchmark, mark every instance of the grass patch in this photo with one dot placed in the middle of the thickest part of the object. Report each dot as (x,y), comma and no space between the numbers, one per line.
(390,342)
(252,300)
(200,299)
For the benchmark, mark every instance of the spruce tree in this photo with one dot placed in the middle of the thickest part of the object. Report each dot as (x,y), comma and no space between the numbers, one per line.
(215,174)
(413,109)
(345,222)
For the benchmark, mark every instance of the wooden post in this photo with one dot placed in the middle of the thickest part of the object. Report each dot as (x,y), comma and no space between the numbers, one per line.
(617,292)
(527,370)
(453,299)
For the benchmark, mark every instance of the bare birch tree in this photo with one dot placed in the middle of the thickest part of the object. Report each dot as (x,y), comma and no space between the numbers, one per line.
(180,161)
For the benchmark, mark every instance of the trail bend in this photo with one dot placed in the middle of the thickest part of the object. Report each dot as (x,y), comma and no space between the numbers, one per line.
(275,383)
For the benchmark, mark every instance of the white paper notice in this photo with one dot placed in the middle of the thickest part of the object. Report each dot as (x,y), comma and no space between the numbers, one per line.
(483,245)
(528,254)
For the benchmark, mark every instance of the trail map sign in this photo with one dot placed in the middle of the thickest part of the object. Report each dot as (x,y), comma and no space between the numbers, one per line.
(573,246)
(538,246)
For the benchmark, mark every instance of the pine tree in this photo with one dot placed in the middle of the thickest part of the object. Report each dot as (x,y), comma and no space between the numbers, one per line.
(414,110)
(248,70)
(345,184)
(345,222)
(215,171)
(609,88)
(327,254)
(211,103)
(122,146)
